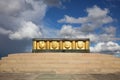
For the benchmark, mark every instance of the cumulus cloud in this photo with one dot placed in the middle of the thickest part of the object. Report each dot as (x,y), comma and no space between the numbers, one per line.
(76,32)
(67,31)
(53,2)
(22,20)
(103,42)
(11,8)
(19,24)
(4,31)
(28,30)
(106,46)
(110,30)
(18,18)
(69,19)
(96,18)
(94,26)
(94,13)
(35,12)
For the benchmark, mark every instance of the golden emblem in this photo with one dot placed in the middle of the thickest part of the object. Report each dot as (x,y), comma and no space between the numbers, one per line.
(67,44)
(41,44)
(54,44)
(63,45)
(80,44)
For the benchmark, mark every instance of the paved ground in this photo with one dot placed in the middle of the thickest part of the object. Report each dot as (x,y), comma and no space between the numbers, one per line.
(53,76)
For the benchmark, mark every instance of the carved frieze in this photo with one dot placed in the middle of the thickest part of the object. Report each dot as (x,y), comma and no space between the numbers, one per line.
(60,44)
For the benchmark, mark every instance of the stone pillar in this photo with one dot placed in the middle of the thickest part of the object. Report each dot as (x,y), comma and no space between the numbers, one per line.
(38,45)
(73,45)
(87,45)
(47,45)
(34,45)
(61,45)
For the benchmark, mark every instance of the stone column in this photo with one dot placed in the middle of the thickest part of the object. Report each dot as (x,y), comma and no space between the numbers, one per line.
(47,44)
(61,45)
(34,45)
(38,45)
(87,45)
(73,45)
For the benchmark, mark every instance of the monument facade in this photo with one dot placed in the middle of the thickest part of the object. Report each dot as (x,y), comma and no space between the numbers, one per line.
(60,45)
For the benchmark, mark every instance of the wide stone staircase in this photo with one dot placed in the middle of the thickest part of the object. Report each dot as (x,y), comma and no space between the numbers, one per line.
(60,63)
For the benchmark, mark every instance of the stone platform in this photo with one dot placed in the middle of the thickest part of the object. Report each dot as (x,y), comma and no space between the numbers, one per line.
(60,63)
(51,76)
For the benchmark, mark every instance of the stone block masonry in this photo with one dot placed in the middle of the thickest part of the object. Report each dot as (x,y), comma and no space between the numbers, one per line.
(60,63)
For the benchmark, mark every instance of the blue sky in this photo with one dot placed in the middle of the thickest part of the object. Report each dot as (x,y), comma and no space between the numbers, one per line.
(77,8)
(22,20)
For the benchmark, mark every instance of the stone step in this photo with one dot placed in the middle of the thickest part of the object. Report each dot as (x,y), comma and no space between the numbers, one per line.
(87,66)
(44,57)
(64,67)
(60,61)
(59,55)
(63,71)
(59,58)
(47,53)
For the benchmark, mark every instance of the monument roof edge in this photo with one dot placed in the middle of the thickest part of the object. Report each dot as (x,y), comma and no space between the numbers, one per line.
(60,39)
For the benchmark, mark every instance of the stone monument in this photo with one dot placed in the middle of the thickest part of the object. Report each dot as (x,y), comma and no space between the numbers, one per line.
(68,61)
(61,45)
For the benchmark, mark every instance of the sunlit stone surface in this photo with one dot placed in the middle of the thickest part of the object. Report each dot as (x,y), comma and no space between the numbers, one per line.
(60,63)
(61,45)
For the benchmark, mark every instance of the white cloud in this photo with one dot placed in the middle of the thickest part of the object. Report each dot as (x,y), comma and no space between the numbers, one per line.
(69,19)
(106,46)
(4,31)
(56,3)
(66,31)
(22,20)
(36,11)
(96,18)
(11,6)
(94,21)
(76,32)
(96,12)
(103,42)
(26,31)
(110,30)
(19,19)
(94,26)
